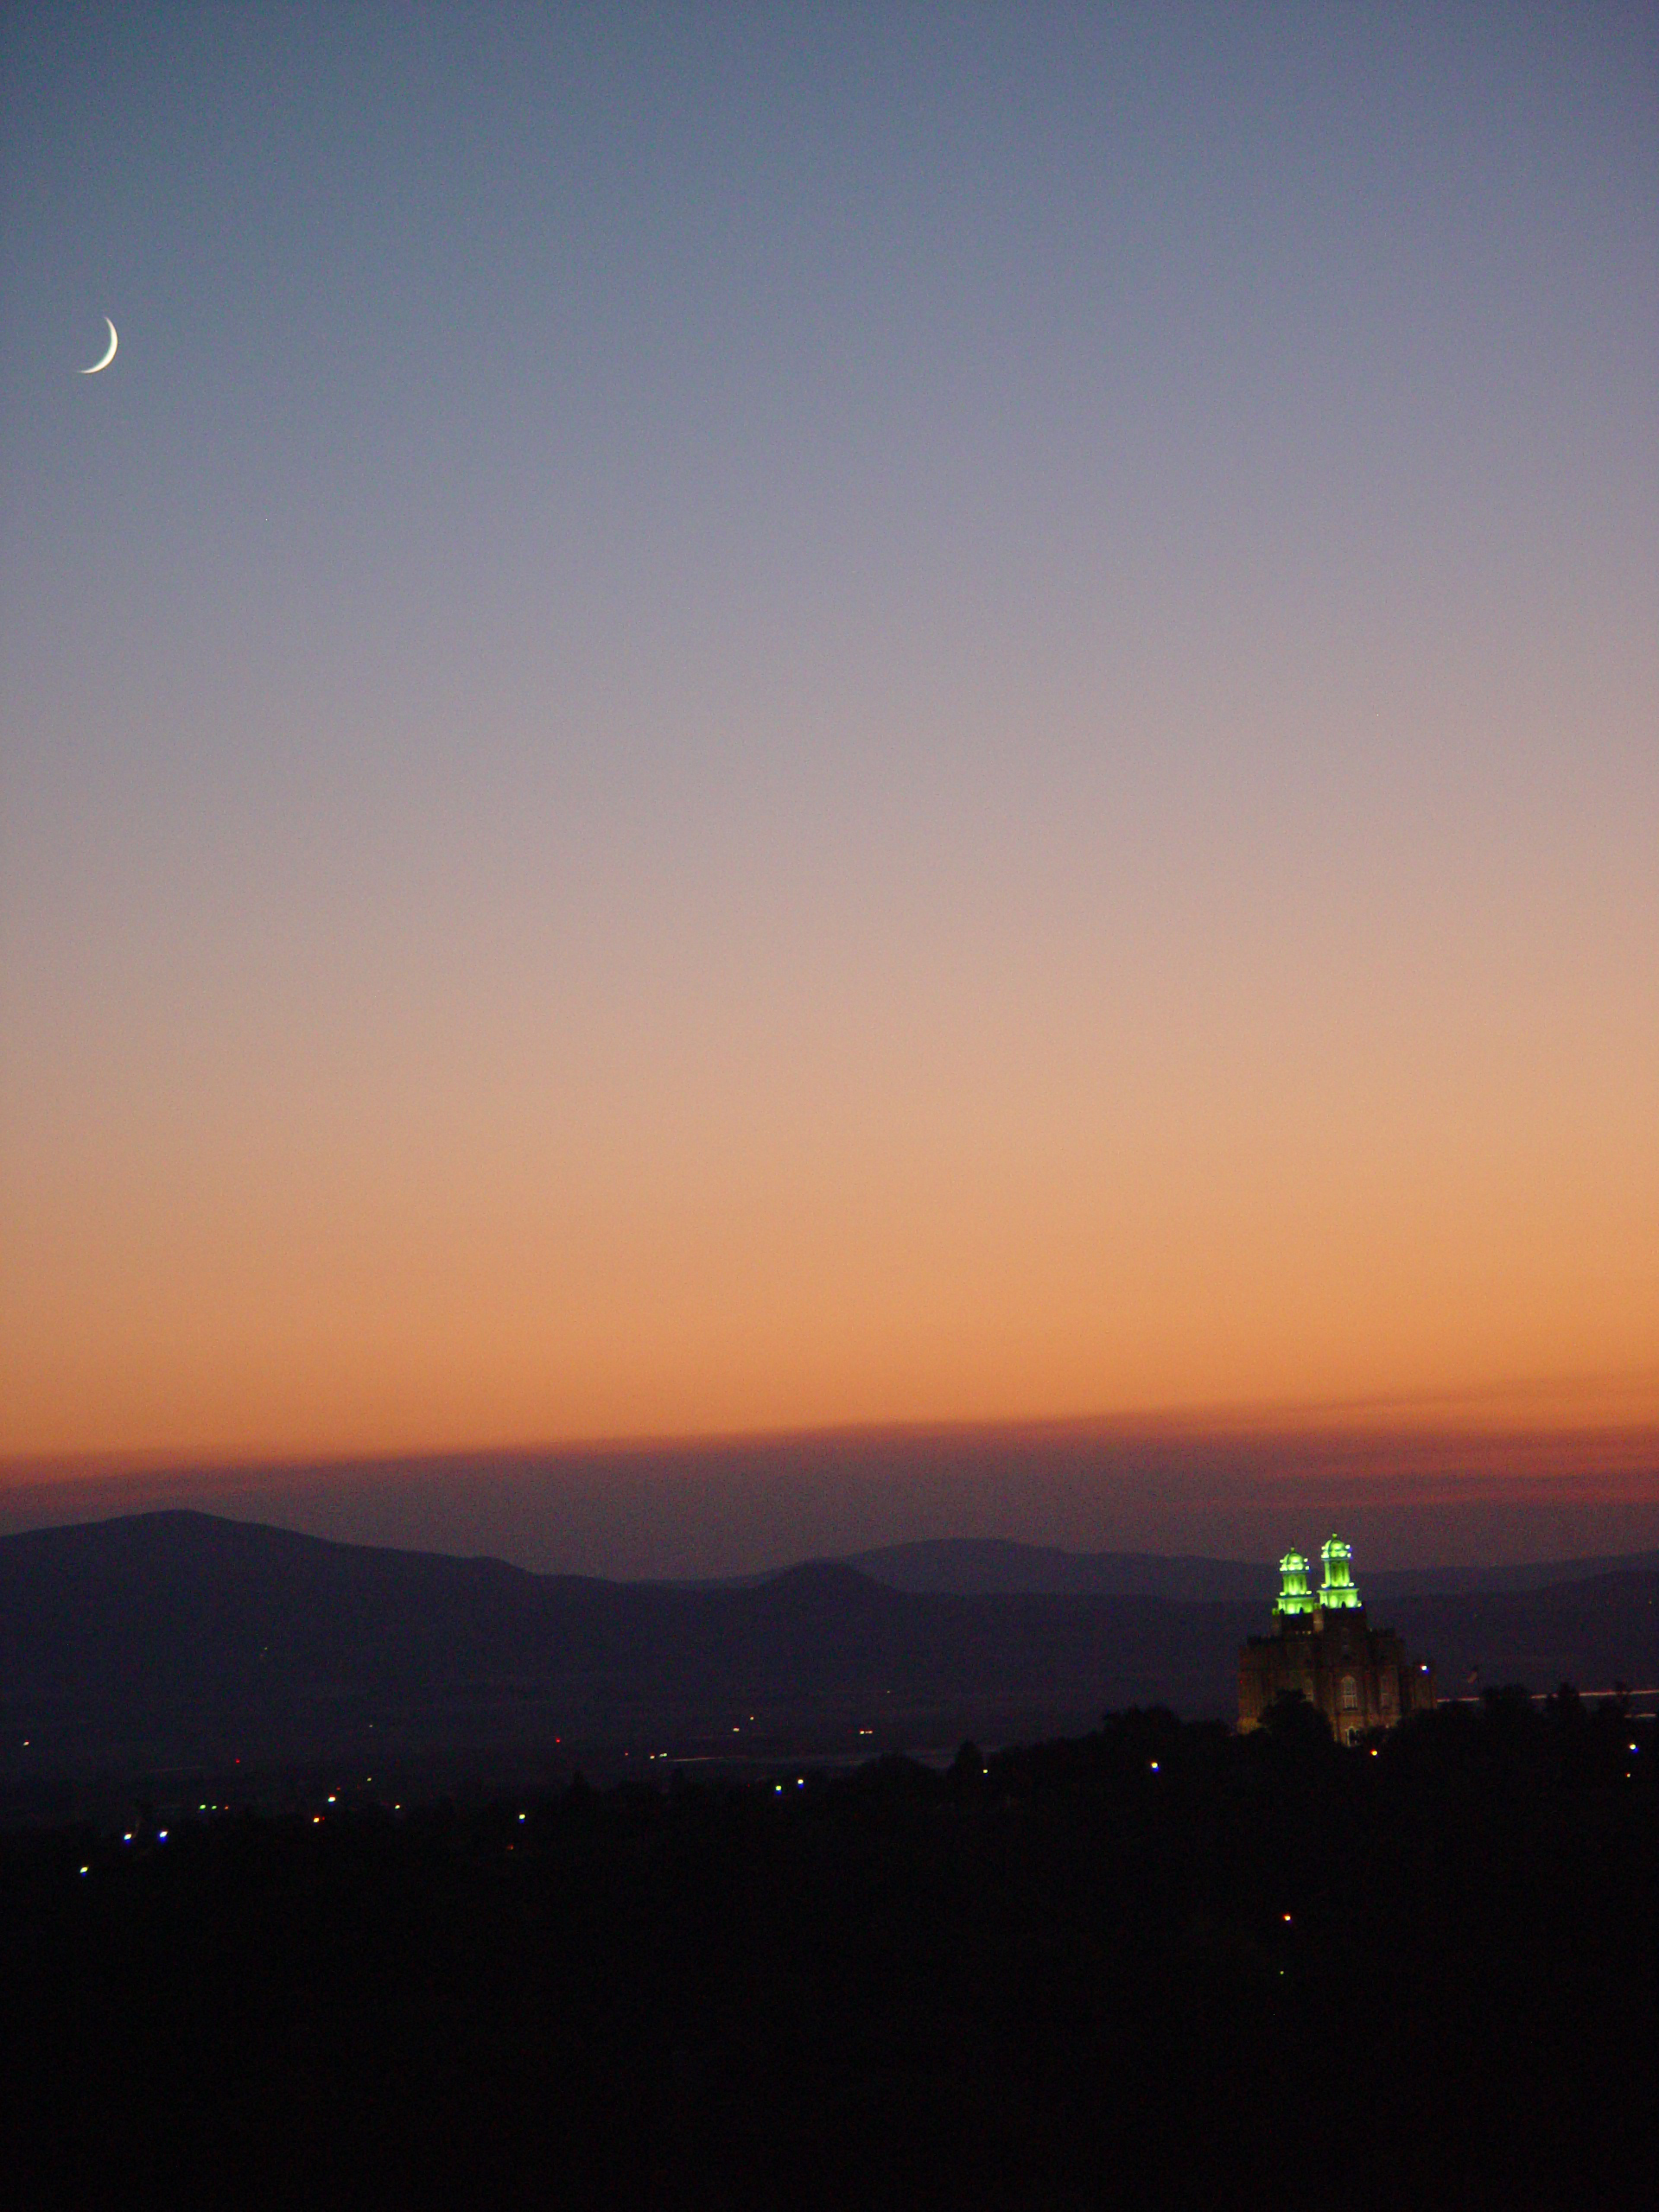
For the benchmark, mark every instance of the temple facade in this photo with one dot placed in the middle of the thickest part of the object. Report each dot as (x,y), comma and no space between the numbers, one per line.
(1357,1677)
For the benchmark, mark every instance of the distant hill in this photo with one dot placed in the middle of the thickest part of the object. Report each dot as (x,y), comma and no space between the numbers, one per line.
(178,1639)
(179,1635)
(984,1566)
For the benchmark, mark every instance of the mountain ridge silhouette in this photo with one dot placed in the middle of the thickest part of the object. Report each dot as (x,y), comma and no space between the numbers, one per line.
(179,1636)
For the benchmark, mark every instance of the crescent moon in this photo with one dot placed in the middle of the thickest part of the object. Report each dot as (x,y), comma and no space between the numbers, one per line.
(108,358)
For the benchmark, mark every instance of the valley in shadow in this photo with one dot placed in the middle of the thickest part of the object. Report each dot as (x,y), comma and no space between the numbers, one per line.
(1156,1962)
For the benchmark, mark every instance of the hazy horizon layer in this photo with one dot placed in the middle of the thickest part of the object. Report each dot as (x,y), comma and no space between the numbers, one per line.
(731,1506)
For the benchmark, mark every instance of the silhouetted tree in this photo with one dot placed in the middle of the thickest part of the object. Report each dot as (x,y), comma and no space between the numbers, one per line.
(1291,1724)
(968,1768)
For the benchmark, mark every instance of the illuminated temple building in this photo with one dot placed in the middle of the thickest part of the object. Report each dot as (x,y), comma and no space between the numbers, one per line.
(1359,1677)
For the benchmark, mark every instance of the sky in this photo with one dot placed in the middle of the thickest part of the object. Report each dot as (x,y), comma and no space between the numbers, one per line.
(735,721)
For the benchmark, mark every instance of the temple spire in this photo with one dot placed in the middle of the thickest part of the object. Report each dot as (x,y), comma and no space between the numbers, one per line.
(1294,1597)
(1336,1592)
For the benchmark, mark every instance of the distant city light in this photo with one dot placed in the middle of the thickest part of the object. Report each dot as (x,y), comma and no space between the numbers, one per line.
(160,1835)
(86,1870)
(1154,1766)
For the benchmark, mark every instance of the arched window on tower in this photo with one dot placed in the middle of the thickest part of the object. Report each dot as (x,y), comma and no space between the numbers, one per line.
(1349,1694)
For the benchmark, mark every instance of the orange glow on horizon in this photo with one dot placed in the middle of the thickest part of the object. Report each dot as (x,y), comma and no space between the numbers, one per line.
(966,1185)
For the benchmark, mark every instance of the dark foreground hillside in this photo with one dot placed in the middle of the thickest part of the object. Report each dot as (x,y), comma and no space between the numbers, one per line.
(1159,1965)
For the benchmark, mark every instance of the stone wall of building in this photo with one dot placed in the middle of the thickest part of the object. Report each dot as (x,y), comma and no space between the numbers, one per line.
(1359,1677)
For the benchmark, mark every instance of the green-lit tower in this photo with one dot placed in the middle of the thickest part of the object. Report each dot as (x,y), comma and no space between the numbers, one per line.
(1294,1596)
(1336,1592)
